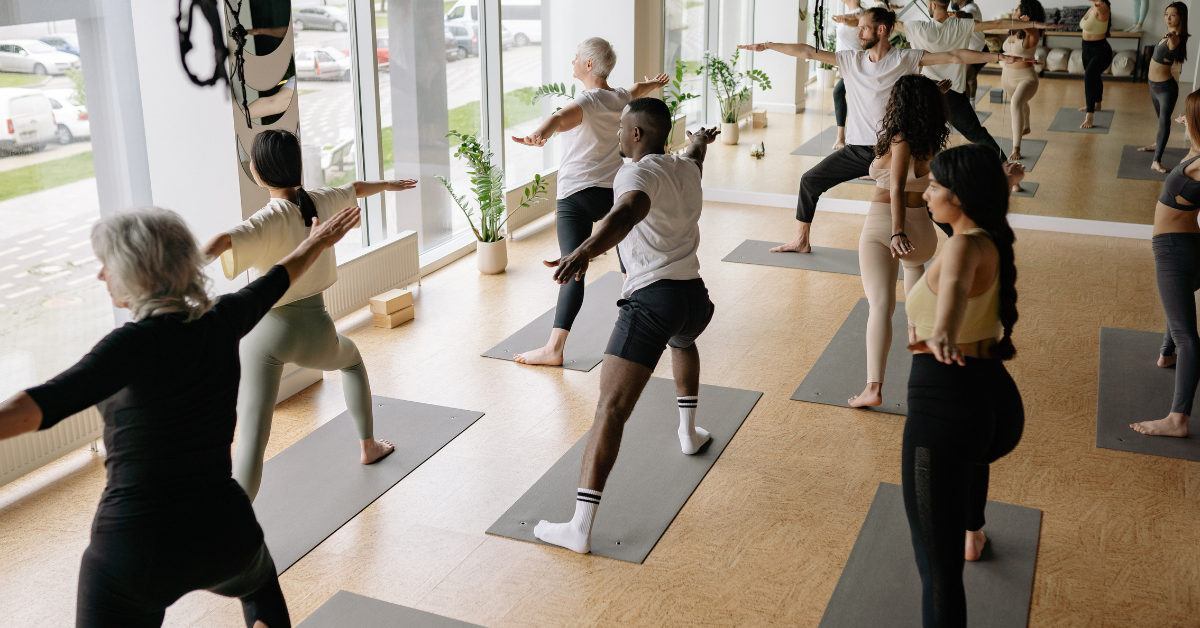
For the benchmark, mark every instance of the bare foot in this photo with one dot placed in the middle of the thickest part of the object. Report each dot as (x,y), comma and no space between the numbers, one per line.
(1015,189)
(1176,424)
(799,245)
(1096,108)
(547,355)
(1087,122)
(1157,167)
(375,450)
(1167,361)
(976,540)
(1026,131)
(1016,154)
(1148,149)
(872,395)
(839,144)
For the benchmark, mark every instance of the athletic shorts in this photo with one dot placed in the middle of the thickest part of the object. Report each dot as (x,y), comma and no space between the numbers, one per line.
(666,313)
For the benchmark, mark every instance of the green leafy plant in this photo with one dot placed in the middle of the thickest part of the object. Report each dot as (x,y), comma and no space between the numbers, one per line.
(829,42)
(732,87)
(552,89)
(674,96)
(78,97)
(898,40)
(487,186)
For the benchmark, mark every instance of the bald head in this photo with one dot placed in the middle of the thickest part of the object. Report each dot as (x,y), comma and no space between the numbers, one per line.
(645,125)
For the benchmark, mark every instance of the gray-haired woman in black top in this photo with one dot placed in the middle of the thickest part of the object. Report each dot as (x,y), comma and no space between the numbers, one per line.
(1169,55)
(171,519)
(1176,246)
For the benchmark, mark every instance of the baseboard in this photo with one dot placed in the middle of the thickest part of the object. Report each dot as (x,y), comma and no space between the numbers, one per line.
(779,107)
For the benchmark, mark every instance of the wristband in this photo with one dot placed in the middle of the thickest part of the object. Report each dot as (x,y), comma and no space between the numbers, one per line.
(896,235)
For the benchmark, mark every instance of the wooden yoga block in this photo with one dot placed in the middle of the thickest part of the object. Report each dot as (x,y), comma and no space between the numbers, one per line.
(391,302)
(758,119)
(395,319)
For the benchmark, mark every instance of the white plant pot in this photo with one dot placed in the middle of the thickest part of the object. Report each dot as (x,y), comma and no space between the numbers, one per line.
(729,133)
(825,77)
(491,257)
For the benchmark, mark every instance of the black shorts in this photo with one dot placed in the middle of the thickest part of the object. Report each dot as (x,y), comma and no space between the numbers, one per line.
(665,313)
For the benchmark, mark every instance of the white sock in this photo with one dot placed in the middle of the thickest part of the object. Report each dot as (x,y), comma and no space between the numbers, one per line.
(691,438)
(576,534)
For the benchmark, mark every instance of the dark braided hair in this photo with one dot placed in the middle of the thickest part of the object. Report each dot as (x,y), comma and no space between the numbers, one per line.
(1181,10)
(972,173)
(916,113)
(276,157)
(1108,4)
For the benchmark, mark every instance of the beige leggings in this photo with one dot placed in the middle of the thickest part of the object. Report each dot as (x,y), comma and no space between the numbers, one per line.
(879,272)
(1020,84)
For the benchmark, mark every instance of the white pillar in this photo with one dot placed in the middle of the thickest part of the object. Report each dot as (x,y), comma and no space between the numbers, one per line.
(779,21)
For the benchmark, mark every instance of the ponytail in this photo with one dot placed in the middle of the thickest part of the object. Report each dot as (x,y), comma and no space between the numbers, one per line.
(276,157)
(972,173)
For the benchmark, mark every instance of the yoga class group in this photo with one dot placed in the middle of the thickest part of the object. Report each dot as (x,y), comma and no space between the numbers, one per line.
(196,499)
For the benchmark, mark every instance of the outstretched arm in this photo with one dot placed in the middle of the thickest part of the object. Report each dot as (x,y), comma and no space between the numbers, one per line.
(1021,22)
(800,51)
(629,210)
(650,84)
(363,189)
(699,146)
(969,56)
(564,119)
(18,415)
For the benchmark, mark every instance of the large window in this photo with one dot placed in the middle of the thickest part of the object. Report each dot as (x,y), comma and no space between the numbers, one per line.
(523,44)
(686,40)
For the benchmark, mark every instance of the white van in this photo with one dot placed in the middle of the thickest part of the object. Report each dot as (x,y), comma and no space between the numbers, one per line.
(26,120)
(522,18)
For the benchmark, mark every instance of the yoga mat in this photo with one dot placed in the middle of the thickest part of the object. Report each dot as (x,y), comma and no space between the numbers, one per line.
(1069,119)
(862,181)
(589,334)
(1132,389)
(841,371)
(651,481)
(819,146)
(980,92)
(312,488)
(1136,164)
(983,116)
(822,259)
(1028,189)
(349,609)
(880,585)
(1031,150)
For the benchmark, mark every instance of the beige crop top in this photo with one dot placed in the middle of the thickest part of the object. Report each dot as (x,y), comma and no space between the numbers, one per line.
(1093,25)
(883,178)
(980,322)
(1016,47)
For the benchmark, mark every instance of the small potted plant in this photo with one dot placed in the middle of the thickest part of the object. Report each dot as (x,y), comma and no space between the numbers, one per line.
(733,89)
(487,185)
(825,73)
(674,96)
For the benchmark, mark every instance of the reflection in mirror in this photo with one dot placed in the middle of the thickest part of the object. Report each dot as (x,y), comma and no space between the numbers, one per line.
(266,21)
(268,105)
(243,158)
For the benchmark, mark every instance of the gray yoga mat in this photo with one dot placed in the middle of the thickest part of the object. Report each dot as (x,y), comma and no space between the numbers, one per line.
(1068,120)
(880,585)
(1028,189)
(589,334)
(1132,389)
(1031,150)
(980,92)
(312,488)
(983,116)
(1136,164)
(651,481)
(822,259)
(819,146)
(346,609)
(841,371)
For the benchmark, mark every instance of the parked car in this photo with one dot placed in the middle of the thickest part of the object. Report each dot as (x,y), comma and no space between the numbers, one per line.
(325,63)
(27,120)
(62,42)
(381,49)
(522,17)
(454,52)
(321,18)
(466,35)
(72,119)
(34,57)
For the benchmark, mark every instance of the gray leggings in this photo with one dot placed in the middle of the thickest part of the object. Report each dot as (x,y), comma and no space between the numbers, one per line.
(299,333)
(1177,266)
(1164,95)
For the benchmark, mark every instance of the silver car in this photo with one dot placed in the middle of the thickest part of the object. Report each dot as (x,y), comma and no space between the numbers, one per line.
(31,56)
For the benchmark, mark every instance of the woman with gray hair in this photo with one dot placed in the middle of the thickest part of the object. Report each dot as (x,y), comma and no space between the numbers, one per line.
(171,519)
(590,160)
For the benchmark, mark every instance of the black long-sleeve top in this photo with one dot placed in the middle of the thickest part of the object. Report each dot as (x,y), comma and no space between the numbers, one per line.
(168,392)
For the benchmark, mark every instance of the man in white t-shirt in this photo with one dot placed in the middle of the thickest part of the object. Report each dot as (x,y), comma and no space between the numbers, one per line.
(655,226)
(846,39)
(869,75)
(971,11)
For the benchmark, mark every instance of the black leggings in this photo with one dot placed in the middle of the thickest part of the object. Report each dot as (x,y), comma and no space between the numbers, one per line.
(575,216)
(129,577)
(1177,266)
(847,164)
(1164,95)
(960,420)
(839,103)
(1097,56)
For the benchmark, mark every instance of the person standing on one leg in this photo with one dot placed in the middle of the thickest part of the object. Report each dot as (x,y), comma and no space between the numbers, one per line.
(1097,56)
(590,160)
(869,75)
(1169,55)
(663,303)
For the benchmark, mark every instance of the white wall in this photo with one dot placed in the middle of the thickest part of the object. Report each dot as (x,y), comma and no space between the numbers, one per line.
(573,22)
(779,20)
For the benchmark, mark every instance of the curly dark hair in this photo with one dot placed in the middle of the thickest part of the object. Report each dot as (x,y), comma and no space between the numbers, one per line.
(1032,9)
(916,113)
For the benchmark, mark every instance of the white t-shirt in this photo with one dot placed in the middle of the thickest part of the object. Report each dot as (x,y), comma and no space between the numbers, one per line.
(934,36)
(664,245)
(590,152)
(977,39)
(847,36)
(276,230)
(868,86)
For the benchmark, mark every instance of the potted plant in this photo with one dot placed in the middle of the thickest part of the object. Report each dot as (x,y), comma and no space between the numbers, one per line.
(674,96)
(825,72)
(733,89)
(487,185)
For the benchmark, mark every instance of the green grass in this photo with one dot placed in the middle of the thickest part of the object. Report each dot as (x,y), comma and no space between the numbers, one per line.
(43,176)
(380,20)
(9,79)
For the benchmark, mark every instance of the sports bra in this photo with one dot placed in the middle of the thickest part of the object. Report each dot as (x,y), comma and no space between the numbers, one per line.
(1179,184)
(1092,25)
(914,184)
(981,321)
(1164,55)
(1016,47)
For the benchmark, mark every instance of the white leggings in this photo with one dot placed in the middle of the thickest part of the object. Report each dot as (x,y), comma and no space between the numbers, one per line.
(880,270)
(1020,84)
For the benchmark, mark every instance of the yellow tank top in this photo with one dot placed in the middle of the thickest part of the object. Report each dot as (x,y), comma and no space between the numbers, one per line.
(1092,25)
(980,322)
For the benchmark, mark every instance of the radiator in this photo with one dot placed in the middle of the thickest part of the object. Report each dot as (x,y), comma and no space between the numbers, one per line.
(373,271)
(520,216)
(27,452)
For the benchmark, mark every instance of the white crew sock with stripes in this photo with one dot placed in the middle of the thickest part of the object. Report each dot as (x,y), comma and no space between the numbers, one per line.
(691,438)
(576,534)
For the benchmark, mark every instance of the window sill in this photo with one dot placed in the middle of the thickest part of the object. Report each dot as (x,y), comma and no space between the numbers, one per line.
(446,253)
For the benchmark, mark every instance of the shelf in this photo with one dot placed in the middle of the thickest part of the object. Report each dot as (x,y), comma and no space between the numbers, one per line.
(1054,33)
